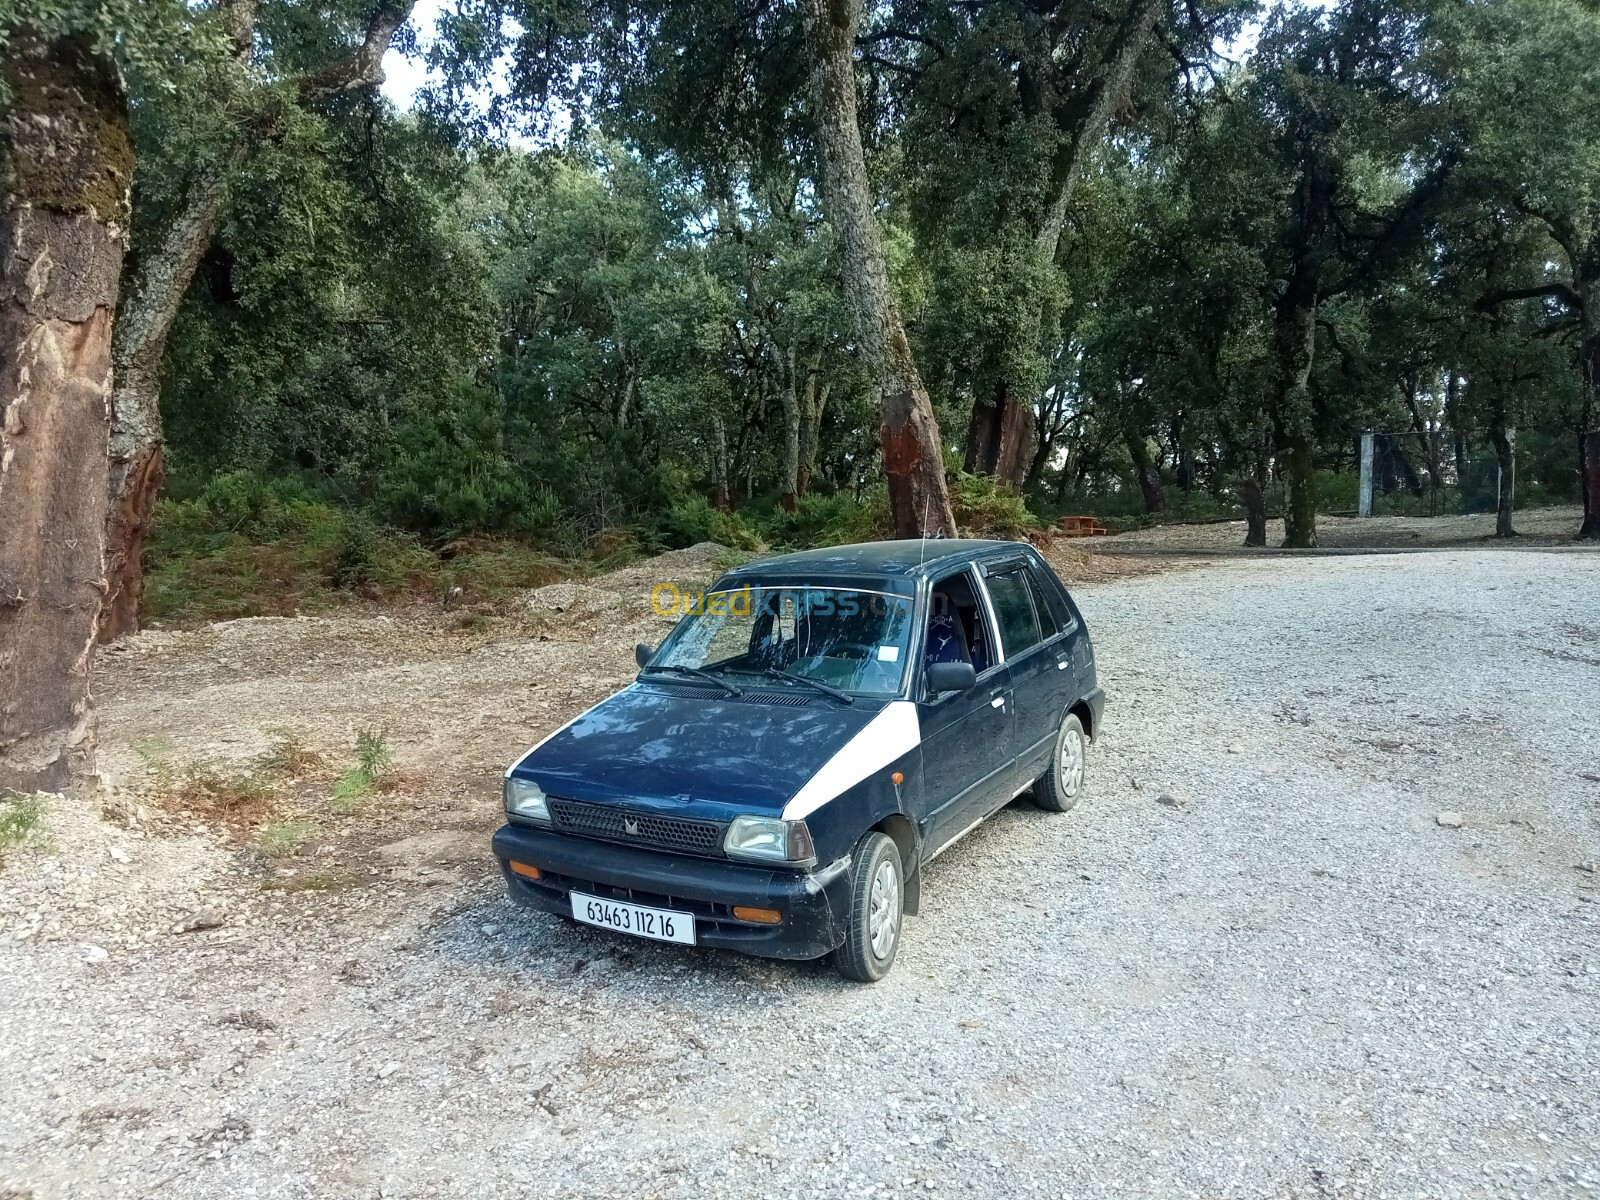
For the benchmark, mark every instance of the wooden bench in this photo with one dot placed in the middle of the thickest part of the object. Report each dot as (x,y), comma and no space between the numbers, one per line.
(1082,527)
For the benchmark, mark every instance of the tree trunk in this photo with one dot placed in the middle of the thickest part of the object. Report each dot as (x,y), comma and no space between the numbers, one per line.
(1505,456)
(1000,438)
(913,456)
(66,162)
(1145,470)
(1254,497)
(144,321)
(791,434)
(156,293)
(1295,339)
(1589,464)
(1589,440)
(721,493)
(1000,433)
(813,402)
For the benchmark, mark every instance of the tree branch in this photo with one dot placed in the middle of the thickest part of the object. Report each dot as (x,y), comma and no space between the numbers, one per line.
(363,68)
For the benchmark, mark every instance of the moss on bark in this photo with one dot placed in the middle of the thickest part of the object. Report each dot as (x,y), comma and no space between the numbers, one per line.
(65,142)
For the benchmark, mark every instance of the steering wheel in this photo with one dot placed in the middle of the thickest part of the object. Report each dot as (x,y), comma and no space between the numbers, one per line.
(862,651)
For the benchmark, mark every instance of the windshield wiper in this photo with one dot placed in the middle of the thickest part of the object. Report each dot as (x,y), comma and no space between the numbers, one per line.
(698,674)
(827,688)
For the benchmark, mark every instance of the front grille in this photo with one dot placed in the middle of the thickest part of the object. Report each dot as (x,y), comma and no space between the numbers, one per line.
(637,829)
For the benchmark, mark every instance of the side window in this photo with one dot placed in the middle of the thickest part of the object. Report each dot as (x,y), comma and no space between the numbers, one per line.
(1052,605)
(1013,609)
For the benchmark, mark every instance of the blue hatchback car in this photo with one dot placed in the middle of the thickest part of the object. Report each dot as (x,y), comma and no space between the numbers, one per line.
(815,729)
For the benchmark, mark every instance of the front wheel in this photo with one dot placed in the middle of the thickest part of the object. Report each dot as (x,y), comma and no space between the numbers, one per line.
(1058,790)
(877,900)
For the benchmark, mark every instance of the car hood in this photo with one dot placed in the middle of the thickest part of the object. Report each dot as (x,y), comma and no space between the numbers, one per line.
(660,748)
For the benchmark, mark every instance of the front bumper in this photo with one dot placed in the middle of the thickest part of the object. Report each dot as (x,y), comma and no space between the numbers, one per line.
(815,905)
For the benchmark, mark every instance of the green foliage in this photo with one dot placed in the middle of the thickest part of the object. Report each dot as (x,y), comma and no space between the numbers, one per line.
(373,758)
(983,508)
(21,818)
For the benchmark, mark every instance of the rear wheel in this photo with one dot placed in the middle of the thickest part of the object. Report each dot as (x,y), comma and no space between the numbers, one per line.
(1060,786)
(877,902)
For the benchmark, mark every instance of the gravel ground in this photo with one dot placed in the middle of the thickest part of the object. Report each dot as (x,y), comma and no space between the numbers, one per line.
(1288,979)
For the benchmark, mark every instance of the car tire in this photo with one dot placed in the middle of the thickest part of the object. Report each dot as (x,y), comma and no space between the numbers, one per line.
(1058,789)
(877,910)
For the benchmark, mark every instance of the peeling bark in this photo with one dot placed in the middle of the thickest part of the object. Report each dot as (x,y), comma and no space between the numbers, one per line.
(66,161)
(913,456)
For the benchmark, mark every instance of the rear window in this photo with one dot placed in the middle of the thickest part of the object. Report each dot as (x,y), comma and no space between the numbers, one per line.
(1054,614)
(1013,610)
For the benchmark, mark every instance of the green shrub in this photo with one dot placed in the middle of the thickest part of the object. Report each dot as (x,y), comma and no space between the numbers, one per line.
(984,508)
(824,520)
(696,520)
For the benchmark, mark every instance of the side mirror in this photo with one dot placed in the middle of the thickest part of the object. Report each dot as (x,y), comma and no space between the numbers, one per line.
(951,677)
(643,653)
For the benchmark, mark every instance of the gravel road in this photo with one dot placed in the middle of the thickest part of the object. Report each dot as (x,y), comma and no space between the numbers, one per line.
(1286,980)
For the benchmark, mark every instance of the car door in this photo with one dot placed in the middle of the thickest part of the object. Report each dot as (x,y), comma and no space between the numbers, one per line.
(1070,645)
(967,763)
(1033,669)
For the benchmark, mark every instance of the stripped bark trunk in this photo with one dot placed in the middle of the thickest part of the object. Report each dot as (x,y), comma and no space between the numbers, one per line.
(156,292)
(999,435)
(66,162)
(913,457)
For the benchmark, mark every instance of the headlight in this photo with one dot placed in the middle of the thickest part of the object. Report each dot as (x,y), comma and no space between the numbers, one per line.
(768,839)
(525,798)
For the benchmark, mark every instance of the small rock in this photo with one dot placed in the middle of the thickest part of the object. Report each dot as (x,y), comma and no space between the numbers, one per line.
(202,919)
(489,929)
(117,853)
(95,954)
(387,1070)
(1585,866)
(1451,820)
(1236,748)
(1172,799)
(1134,782)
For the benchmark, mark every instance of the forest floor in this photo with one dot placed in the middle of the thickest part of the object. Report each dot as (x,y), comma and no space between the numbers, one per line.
(1535,527)
(1354,949)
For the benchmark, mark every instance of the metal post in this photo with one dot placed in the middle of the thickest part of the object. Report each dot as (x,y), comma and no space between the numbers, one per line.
(1364,503)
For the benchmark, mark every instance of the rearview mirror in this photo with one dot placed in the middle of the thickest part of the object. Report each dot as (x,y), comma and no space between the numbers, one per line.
(951,677)
(643,653)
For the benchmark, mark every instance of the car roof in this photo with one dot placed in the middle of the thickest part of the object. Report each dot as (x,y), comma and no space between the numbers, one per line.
(911,558)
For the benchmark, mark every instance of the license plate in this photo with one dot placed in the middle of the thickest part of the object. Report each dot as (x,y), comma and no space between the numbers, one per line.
(660,924)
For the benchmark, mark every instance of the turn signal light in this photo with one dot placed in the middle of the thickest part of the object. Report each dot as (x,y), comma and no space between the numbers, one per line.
(525,869)
(761,916)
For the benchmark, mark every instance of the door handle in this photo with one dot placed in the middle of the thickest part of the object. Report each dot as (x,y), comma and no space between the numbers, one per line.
(997,702)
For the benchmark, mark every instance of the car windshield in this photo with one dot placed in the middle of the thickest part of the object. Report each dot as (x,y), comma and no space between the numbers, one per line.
(856,641)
